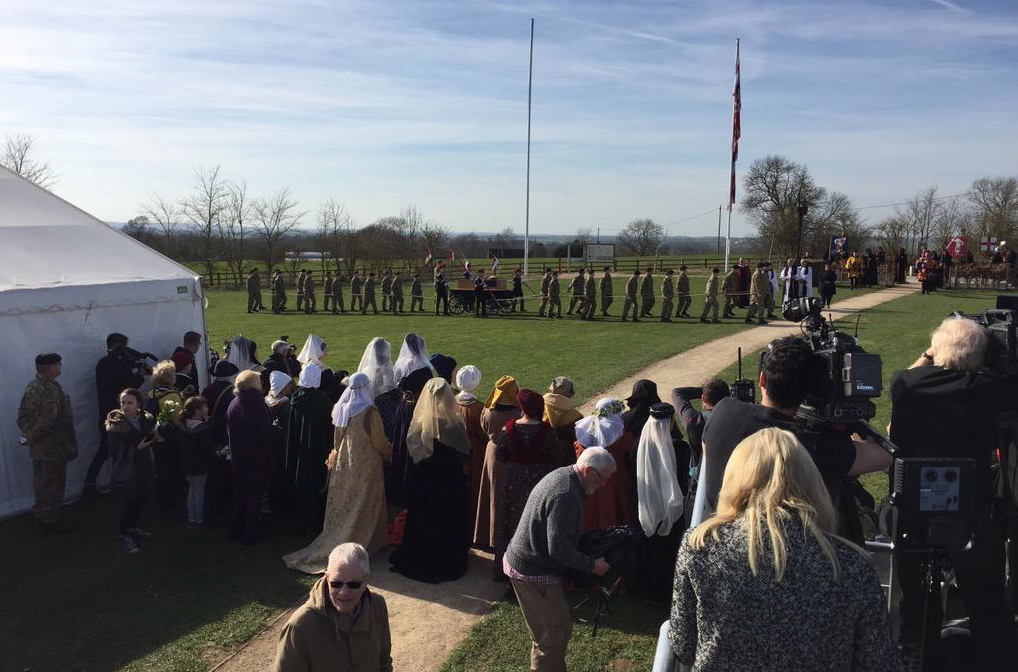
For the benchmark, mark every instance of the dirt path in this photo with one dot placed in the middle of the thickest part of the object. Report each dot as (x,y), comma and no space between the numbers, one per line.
(428,621)
(694,366)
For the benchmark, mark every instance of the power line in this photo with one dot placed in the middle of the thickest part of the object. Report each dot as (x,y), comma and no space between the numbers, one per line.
(889,205)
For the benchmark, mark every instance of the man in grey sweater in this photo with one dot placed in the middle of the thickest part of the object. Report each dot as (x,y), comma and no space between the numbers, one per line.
(544,548)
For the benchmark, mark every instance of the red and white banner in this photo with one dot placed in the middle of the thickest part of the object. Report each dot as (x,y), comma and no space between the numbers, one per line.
(988,244)
(958,247)
(495,263)
(427,258)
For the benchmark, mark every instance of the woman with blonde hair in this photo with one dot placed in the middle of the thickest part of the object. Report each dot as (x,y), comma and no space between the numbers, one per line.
(167,406)
(766,584)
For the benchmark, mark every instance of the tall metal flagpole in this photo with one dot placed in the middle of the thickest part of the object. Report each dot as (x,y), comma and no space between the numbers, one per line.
(530,92)
(719,229)
(736,134)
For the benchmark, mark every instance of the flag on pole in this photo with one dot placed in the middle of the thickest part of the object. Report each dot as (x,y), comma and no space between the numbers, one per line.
(452,255)
(736,126)
(427,258)
(988,244)
(494,263)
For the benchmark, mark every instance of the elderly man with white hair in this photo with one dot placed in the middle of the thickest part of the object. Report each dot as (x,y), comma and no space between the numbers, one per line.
(946,406)
(544,547)
(343,626)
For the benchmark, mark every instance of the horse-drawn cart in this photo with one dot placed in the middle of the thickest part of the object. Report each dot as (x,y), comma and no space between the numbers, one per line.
(498,298)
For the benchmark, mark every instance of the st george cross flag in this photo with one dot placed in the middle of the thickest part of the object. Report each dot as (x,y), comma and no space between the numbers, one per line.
(452,256)
(736,126)
(988,244)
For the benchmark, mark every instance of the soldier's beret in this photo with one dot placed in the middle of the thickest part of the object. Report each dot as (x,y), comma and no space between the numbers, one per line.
(47,359)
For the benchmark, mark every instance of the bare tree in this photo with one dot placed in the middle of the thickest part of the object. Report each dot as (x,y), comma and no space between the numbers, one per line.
(642,236)
(995,200)
(165,214)
(583,235)
(919,215)
(17,158)
(436,239)
(337,234)
(409,225)
(138,228)
(772,189)
(892,233)
(204,208)
(953,216)
(504,239)
(233,227)
(273,219)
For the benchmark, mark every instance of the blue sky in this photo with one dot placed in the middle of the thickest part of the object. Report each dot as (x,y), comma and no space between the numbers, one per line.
(380,104)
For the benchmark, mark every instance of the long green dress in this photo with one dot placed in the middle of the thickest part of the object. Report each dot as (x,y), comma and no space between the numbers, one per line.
(310,440)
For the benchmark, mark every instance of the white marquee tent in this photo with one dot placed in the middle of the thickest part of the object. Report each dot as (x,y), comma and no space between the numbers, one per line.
(66,281)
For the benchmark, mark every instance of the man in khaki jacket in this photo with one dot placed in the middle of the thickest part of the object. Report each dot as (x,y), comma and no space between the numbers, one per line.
(343,627)
(46,424)
(630,302)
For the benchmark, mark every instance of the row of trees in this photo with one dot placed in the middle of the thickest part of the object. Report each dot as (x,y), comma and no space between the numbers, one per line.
(774,187)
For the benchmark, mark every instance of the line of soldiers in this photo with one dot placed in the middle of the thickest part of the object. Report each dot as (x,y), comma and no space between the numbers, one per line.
(584,287)
(362,293)
(761,294)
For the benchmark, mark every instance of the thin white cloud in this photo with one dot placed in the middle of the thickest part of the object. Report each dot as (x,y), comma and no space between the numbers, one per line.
(949,5)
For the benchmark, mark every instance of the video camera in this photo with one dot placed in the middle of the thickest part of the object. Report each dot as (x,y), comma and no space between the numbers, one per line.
(137,360)
(845,376)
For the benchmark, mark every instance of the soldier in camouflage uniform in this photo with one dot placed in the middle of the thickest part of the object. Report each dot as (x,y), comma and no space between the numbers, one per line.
(416,294)
(396,293)
(369,295)
(710,300)
(682,287)
(606,291)
(386,290)
(647,293)
(300,288)
(630,301)
(554,299)
(356,295)
(338,305)
(278,293)
(760,285)
(729,289)
(545,281)
(576,291)
(254,291)
(327,292)
(47,425)
(667,295)
(589,298)
(310,305)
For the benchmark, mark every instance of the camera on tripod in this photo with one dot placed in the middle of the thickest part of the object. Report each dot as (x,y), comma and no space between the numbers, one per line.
(845,376)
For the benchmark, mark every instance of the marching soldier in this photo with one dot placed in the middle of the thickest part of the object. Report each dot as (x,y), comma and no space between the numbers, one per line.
(590,298)
(729,288)
(441,290)
(369,295)
(759,285)
(327,291)
(416,294)
(300,288)
(480,294)
(647,293)
(386,290)
(254,291)
(554,299)
(710,299)
(278,292)
(47,426)
(545,282)
(685,298)
(356,295)
(630,301)
(576,291)
(310,305)
(667,296)
(606,291)
(396,293)
(338,304)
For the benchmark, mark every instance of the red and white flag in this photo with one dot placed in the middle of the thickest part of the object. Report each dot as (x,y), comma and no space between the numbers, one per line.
(736,126)
(495,263)
(988,244)
(452,256)
(427,258)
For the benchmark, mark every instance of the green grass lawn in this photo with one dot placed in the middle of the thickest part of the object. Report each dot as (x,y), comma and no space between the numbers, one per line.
(534,350)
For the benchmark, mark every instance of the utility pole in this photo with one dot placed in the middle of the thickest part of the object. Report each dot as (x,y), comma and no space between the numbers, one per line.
(530,91)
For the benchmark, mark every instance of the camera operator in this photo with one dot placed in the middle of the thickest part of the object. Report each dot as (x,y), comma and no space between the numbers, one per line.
(786,374)
(119,370)
(944,405)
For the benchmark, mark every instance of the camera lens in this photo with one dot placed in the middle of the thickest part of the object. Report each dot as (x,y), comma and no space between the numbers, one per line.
(951,476)
(931,475)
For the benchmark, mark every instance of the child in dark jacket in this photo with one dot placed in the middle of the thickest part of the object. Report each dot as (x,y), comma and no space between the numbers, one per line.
(196,457)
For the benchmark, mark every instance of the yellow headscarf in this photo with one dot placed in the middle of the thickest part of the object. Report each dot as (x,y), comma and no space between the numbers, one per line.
(506,392)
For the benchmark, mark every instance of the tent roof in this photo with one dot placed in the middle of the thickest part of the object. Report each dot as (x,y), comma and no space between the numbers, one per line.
(47,242)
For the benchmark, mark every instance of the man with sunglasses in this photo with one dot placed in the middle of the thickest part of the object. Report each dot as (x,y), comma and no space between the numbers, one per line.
(343,626)
(543,548)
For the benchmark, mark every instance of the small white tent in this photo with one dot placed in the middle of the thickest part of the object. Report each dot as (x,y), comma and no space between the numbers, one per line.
(66,281)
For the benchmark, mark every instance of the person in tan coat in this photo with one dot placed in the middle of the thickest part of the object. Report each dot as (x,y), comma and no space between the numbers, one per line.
(502,406)
(343,627)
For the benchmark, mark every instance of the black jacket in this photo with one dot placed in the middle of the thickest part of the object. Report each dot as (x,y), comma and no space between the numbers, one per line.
(196,449)
(114,373)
